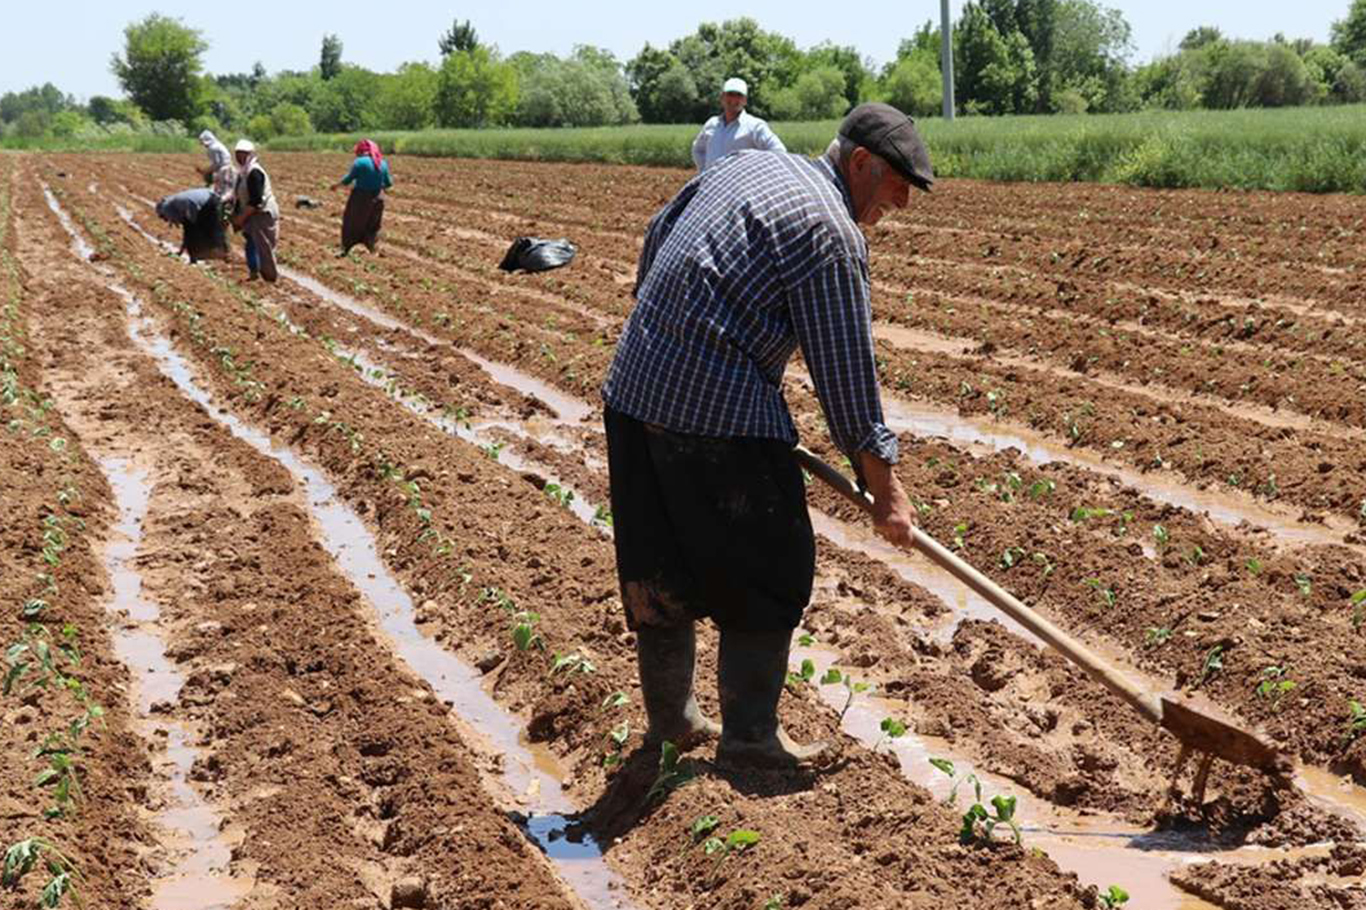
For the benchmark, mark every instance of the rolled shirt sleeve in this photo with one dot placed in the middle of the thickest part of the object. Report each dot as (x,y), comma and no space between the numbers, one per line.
(832,318)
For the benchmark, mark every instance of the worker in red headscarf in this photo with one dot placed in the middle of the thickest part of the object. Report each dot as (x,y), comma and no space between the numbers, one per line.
(368,178)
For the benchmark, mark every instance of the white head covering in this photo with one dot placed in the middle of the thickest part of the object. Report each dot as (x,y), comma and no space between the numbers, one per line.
(736,84)
(245,145)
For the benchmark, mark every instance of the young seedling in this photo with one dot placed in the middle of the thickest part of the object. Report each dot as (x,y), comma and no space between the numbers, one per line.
(892,728)
(673,773)
(1157,636)
(1275,685)
(615,700)
(699,830)
(618,736)
(1358,602)
(559,494)
(1161,536)
(1356,720)
(737,841)
(571,663)
(1107,596)
(946,767)
(23,857)
(775,902)
(959,532)
(1113,897)
(1011,556)
(1214,662)
(834,677)
(805,675)
(602,516)
(1306,584)
(524,634)
(1254,566)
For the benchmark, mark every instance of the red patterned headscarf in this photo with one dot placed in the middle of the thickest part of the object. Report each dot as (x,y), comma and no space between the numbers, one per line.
(371,148)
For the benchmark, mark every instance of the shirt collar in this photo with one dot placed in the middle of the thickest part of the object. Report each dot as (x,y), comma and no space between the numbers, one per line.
(832,173)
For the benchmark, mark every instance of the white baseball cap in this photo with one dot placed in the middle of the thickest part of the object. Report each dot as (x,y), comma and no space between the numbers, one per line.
(244,145)
(735,84)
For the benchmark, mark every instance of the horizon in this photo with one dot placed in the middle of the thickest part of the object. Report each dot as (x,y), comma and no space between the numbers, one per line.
(408,31)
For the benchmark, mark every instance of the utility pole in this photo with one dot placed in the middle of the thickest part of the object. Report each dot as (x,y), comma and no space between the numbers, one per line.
(946,57)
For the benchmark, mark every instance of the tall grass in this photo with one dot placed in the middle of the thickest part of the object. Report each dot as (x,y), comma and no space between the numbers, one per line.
(1319,149)
(132,142)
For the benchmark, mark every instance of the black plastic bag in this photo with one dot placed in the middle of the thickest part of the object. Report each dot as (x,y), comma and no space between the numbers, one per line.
(534,254)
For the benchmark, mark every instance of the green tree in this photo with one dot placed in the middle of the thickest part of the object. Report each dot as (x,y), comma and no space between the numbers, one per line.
(474,88)
(460,37)
(858,76)
(984,72)
(1197,38)
(1091,48)
(914,85)
(1349,34)
(290,120)
(33,124)
(330,60)
(159,68)
(588,89)
(816,95)
(346,103)
(408,98)
(46,98)
(663,89)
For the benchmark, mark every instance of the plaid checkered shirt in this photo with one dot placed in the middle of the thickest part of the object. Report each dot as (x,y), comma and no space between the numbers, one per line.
(755,257)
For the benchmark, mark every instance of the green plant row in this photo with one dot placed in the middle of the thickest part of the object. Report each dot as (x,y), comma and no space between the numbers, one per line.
(42,662)
(1312,149)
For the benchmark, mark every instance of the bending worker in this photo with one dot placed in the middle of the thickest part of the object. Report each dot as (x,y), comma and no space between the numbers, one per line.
(256,214)
(364,215)
(197,212)
(732,129)
(754,258)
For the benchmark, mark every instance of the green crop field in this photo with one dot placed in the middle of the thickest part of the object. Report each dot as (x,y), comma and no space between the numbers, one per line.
(1317,149)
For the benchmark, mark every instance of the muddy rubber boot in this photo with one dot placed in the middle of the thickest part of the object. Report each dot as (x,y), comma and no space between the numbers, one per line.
(751,676)
(664,658)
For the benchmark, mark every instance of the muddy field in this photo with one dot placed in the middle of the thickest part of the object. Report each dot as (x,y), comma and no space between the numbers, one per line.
(323,570)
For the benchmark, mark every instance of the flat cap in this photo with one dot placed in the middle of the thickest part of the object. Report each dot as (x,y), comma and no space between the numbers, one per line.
(892,136)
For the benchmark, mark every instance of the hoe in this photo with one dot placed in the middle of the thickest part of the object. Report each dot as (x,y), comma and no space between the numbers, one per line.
(1198,731)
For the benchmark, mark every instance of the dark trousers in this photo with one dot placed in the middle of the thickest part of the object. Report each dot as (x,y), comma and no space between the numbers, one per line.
(708,527)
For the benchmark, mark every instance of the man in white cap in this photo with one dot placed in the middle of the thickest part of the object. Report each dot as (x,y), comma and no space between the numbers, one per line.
(732,129)
(256,213)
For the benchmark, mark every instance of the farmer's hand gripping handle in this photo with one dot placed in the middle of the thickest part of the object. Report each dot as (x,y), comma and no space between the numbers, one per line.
(1144,702)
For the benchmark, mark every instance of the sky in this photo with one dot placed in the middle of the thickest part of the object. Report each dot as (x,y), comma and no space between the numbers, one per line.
(70,42)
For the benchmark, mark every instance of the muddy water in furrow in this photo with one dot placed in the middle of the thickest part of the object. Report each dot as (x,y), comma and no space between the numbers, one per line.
(200,854)
(533,779)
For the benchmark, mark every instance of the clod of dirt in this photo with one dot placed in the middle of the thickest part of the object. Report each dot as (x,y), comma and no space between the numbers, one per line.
(408,892)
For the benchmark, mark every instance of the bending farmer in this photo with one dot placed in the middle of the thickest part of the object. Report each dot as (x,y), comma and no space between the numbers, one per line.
(754,258)
(256,214)
(198,213)
(732,129)
(364,213)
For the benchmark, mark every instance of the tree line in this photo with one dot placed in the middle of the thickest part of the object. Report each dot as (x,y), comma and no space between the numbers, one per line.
(1010,57)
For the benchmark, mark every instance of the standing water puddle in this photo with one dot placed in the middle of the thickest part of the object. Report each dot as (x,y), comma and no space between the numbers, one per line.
(533,776)
(199,878)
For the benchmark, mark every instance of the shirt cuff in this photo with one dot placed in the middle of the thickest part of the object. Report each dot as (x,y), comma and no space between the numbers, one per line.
(879,441)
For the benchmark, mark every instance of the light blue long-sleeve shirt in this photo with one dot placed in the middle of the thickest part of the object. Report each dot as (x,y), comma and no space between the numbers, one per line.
(718,139)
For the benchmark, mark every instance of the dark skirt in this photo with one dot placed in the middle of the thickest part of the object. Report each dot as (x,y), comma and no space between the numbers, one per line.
(708,527)
(207,237)
(362,219)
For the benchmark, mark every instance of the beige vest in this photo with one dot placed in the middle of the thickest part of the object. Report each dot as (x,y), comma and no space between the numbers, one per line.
(267,194)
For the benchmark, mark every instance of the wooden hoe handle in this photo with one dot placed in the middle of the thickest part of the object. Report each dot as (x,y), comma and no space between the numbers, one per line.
(1144,702)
